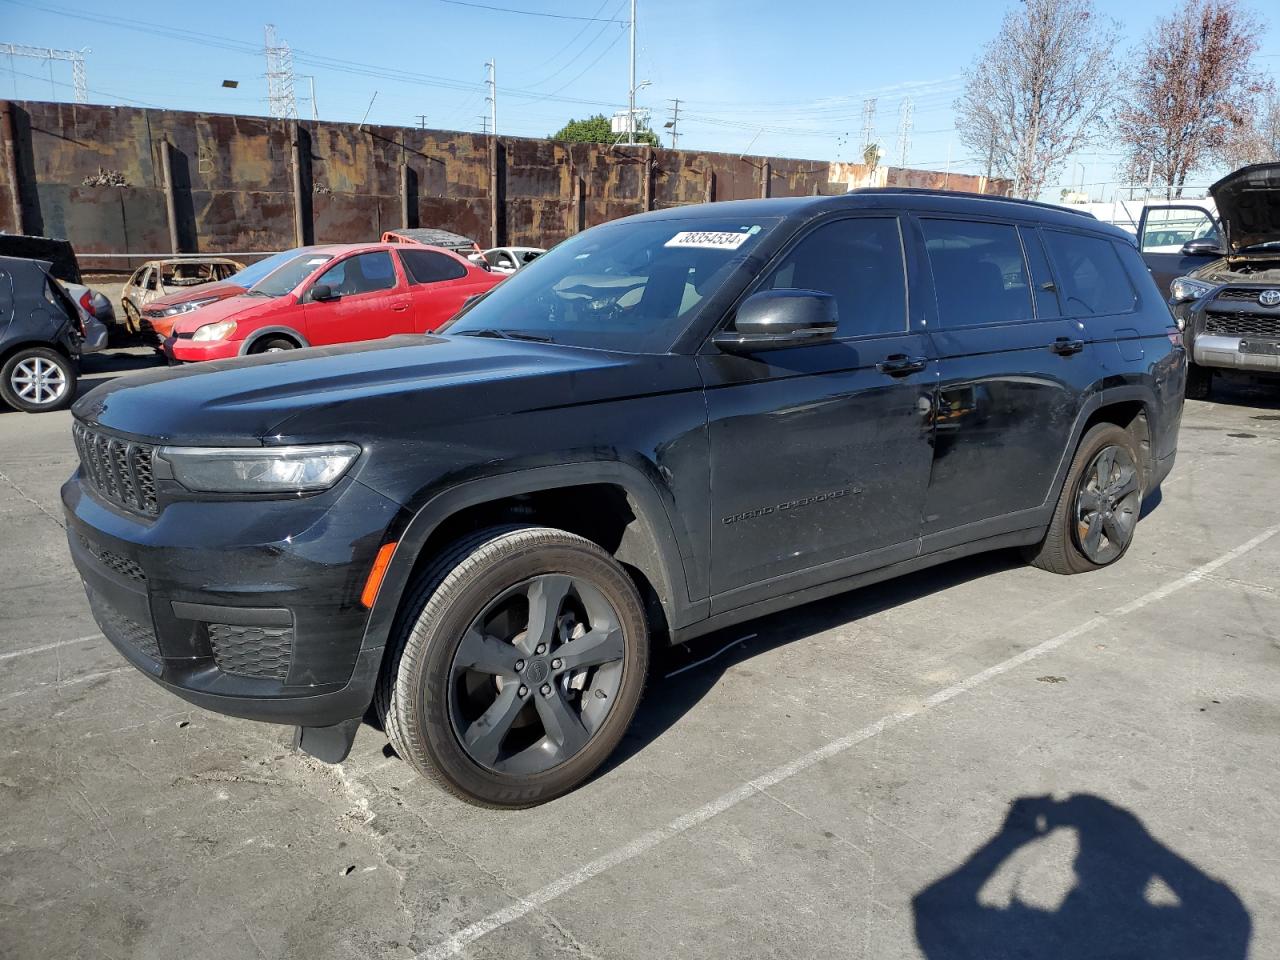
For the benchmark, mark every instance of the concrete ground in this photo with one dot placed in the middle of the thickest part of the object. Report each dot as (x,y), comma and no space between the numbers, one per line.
(979,761)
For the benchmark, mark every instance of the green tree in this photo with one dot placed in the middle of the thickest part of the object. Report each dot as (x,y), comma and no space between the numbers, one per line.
(597,130)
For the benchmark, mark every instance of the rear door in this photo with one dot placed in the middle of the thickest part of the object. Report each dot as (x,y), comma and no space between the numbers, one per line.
(438,286)
(1161,233)
(371,303)
(820,453)
(1013,375)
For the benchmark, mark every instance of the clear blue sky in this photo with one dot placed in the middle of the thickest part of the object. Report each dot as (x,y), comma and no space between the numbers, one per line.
(752,75)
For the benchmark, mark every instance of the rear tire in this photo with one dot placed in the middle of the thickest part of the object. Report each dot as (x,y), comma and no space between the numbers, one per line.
(1092,526)
(132,319)
(1199,382)
(38,379)
(515,667)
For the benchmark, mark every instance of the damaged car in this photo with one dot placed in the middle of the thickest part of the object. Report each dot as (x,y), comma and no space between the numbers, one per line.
(1229,308)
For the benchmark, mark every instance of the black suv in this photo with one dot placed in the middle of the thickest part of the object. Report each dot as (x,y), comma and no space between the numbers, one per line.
(667,424)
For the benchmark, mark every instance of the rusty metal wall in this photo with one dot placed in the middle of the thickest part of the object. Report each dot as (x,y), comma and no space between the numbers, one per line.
(95,175)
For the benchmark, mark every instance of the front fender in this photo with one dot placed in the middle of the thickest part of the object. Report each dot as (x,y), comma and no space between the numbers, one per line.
(666,571)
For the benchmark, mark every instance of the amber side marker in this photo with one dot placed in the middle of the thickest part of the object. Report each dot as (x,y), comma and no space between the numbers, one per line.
(380,564)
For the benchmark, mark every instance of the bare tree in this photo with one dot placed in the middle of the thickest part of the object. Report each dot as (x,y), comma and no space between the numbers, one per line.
(1259,141)
(1194,86)
(1040,90)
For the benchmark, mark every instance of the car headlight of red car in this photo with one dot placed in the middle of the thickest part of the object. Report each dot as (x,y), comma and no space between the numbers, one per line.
(215,331)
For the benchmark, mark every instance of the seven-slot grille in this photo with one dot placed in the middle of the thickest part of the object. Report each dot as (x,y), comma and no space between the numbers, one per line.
(119,470)
(1242,324)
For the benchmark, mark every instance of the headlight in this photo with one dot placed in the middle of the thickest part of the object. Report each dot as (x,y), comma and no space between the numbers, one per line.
(260,469)
(1184,289)
(187,307)
(215,331)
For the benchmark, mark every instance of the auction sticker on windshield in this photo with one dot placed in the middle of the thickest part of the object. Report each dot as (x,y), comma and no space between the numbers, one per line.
(709,239)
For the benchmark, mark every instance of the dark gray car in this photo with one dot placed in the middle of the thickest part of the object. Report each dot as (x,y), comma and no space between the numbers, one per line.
(40,337)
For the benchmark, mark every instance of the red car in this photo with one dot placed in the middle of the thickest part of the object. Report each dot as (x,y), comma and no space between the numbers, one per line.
(333,294)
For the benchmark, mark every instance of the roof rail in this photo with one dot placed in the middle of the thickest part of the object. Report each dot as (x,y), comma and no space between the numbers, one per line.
(974,196)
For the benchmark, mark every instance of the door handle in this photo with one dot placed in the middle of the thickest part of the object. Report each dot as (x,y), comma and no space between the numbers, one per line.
(900,365)
(1065,346)
(400,308)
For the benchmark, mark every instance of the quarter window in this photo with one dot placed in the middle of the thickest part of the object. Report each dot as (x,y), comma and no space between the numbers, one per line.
(426,266)
(859,262)
(979,273)
(363,273)
(1093,278)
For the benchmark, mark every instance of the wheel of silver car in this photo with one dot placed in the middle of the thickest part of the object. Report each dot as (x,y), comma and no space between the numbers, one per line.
(1107,505)
(38,379)
(518,663)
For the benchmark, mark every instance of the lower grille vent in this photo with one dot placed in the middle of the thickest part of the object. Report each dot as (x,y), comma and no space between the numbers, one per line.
(252,651)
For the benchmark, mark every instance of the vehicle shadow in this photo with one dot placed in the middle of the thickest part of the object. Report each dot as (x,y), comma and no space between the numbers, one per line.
(679,677)
(99,368)
(1240,392)
(1132,896)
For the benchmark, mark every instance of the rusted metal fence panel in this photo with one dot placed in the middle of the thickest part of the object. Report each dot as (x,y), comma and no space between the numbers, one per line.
(96,175)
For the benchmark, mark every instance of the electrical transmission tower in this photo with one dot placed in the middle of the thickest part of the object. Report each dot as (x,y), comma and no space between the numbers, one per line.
(868,124)
(281,101)
(905,110)
(75,57)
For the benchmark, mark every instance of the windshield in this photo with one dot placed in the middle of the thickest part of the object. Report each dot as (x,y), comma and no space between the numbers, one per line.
(624,286)
(285,278)
(256,271)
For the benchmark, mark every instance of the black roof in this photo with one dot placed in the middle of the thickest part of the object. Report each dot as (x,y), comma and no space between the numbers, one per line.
(434,237)
(943,201)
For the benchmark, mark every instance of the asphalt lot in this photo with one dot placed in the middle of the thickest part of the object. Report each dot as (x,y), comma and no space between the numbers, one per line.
(982,760)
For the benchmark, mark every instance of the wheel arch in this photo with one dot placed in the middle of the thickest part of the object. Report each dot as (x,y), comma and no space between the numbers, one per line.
(246,345)
(7,350)
(633,526)
(1131,406)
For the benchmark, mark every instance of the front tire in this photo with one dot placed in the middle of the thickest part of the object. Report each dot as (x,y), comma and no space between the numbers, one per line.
(1097,512)
(274,345)
(38,379)
(515,667)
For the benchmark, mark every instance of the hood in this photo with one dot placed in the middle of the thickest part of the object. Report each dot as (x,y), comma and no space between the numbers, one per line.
(242,308)
(202,292)
(409,378)
(1249,205)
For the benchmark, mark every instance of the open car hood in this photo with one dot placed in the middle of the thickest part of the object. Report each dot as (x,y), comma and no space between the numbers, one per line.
(1249,205)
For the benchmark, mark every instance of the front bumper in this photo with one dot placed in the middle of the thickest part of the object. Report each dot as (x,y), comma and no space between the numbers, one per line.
(1236,353)
(248,608)
(186,350)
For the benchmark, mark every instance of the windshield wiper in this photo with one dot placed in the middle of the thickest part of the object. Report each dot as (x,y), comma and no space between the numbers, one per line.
(506,335)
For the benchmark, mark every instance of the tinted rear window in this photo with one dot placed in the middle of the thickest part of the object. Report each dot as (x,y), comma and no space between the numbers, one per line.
(1091,277)
(427,266)
(979,273)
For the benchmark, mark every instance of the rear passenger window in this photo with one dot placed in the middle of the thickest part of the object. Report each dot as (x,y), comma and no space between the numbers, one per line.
(979,274)
(859,262)
(1042,284)
(426,266)
(1090,273)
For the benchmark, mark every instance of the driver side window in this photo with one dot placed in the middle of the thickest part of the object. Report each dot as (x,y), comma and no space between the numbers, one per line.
(859,262)
(363,273)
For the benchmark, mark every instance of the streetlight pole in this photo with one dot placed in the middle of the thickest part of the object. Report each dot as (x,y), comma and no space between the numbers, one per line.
(631,111)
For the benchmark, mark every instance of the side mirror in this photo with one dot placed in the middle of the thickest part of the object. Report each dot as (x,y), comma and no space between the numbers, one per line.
(774,319)
(1202,247)
(322,292)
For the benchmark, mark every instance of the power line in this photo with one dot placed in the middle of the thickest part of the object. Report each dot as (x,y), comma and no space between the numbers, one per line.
(100,93)
(523,13)
(673,123)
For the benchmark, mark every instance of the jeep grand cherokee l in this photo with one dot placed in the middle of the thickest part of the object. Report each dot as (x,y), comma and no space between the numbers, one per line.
(665,425)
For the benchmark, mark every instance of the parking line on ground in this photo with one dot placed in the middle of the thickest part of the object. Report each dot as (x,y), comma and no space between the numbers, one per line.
(646,842)
(48,646)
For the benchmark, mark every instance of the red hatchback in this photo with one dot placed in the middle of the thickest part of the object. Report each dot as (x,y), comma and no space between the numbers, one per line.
(333,294)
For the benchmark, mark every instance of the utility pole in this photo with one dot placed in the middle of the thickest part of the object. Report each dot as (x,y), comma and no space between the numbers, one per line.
(631,104)
(311,84)
(672,124)
(281,101)
(868,124)
(422,121)
(493,94)
(484,124)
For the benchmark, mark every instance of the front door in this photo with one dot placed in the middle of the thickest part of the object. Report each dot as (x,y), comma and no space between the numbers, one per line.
(1161,233)
(820,454)
(1013,374)
(367,301)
